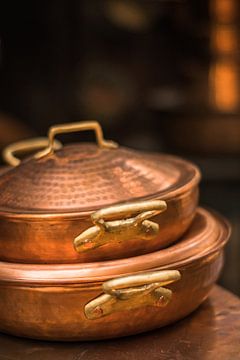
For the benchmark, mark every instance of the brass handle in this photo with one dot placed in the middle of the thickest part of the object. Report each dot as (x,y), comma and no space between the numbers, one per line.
(131,292)
(28,145)
(75,127)
(121,230)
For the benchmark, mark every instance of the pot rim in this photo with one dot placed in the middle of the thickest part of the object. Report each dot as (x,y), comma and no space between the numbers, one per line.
(199,242)
(174,193)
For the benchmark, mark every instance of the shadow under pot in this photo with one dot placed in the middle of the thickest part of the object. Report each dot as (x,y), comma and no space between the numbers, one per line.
(114,298)
(87,202)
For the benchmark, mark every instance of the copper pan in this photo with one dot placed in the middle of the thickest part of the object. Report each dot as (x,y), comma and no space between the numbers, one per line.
(87,202)
(114,298)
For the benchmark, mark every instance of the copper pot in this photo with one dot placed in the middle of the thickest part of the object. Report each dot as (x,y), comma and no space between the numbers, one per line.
(114,298)
(84,203)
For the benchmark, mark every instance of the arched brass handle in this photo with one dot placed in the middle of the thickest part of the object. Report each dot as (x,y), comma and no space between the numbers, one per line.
(133,291)
(75,127)
(10,151)
(121,230)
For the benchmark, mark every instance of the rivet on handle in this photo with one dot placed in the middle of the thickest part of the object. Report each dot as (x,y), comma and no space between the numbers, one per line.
(131,292)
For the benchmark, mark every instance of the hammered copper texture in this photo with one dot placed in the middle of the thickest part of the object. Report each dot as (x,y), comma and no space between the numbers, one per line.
(207,233)
(48,238)
(210,333)
(57,312)
(48,301)
(83,176)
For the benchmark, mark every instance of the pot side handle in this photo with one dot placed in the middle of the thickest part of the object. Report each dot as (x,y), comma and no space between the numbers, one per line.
(131,292)
(117,231)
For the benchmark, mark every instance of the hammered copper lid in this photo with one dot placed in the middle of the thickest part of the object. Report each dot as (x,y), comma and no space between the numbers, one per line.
(82,177)
(208,233)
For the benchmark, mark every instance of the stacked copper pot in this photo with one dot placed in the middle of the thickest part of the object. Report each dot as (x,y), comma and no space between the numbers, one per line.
(100,241)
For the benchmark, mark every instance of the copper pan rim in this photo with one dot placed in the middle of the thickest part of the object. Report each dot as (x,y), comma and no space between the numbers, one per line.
(189,250)
(95,281)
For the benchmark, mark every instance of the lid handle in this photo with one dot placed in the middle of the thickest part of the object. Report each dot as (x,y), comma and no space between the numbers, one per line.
(9,152)
(131,292)
(121,230)
(75,127)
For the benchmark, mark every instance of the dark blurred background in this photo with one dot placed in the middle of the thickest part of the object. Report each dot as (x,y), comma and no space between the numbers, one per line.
(159,75)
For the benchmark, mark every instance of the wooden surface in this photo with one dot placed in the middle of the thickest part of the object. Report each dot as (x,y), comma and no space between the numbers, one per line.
(212,332)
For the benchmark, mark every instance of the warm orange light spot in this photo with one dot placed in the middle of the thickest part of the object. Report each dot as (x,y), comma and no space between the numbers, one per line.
(224,10)
(224,85)
(224,39)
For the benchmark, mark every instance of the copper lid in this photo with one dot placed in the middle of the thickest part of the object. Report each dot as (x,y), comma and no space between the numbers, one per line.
(84,177)
(208,233)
